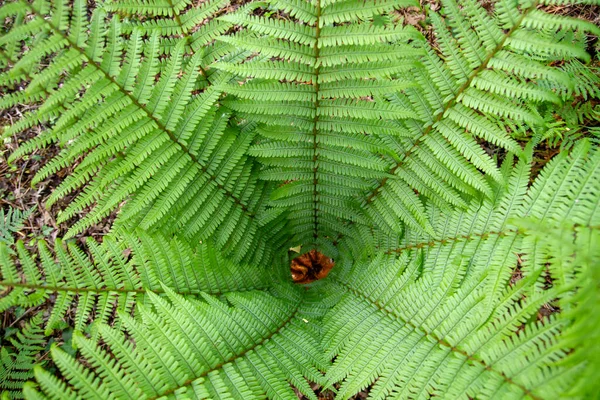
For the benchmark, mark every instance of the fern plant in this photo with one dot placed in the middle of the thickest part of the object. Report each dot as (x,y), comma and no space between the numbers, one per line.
(11,222)
(574,118)
(17,365)
(477,332)
(219,137)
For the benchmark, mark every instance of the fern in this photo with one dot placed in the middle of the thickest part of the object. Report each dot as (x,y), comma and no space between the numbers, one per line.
(18,362)
(111,281)
(356,70)
(488,82)
(320,128)
(12,222)
(173,19)
(172,170)
(219,136)
(155,141)
(477,333)
(575,118)
(584,317)
(202,349)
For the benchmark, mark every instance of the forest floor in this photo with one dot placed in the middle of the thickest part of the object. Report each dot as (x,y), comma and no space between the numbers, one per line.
(18,193)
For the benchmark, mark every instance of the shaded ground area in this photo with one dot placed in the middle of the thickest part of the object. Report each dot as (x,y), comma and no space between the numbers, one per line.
(16,188)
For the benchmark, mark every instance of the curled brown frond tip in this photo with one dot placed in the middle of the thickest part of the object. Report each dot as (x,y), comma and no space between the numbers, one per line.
(310,267)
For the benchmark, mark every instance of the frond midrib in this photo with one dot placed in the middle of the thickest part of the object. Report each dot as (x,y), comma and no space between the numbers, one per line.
(74,289)
(473,236)
(316,50)
(186,35)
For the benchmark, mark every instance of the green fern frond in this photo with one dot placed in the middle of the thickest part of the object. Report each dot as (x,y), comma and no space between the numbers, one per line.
(478,331)
(458,313)
(171,20)
(574,119)
(316,99)
(241,346)
(487,83)
(583,334)
(118,275)
(155,142)
(220,137)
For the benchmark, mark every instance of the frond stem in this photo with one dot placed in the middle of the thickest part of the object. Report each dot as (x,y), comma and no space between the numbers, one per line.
(78,290)
(186,36)
(315,131)
(453,239)
(473,236)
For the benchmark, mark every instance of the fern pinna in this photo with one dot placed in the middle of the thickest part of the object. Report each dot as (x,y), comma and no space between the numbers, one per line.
(219,135)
